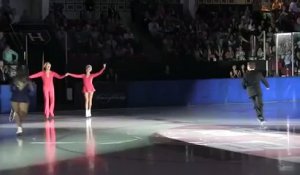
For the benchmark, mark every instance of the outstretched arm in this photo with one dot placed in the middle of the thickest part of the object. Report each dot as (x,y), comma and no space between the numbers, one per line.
(36,75)
(75,75)
(100,72)
(264,81)
(56,75)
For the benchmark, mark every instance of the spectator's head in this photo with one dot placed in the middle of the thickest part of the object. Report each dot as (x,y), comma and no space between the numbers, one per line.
(88,68)
(259,28)
(240,26)
(270,29)
(7,47)
(234,67)
(251,66)
(259,49)
(47,66)
(242,66)
(298,44)
(283,8)
(298,20)
(298,55)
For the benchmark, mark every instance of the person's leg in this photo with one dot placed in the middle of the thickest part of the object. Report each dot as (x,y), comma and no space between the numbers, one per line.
(23,107)
(46,103)
(90,103)
(259,110)
(258,106)
(15,108)
(86,98)
(52,102)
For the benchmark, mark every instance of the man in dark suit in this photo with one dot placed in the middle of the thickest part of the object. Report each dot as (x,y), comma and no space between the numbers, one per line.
(251,82)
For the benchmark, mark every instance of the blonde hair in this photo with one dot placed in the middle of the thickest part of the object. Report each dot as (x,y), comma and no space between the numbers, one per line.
(45,64)
(88,66)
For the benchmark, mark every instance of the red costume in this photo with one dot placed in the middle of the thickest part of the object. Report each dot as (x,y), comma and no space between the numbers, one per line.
(88,80)
(48,89)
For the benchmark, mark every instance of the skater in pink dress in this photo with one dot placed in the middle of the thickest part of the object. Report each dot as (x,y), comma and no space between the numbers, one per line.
(88,87)
(48,88)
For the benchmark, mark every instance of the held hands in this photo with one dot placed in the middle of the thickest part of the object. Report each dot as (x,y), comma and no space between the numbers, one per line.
(104,65)
(67,74)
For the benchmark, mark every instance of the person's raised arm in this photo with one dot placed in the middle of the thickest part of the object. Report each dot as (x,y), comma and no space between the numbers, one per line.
(100,72)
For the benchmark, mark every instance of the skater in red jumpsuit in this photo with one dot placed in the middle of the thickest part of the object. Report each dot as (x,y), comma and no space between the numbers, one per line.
(48,88)
(88,87)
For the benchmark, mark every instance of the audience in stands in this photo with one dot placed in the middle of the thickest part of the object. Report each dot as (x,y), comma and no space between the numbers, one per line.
(107,36)
(215,34)
(293,8)
(223,34)
(7,15)
(2,42)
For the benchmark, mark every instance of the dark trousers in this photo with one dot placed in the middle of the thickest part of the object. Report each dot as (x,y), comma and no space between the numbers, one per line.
(258,106)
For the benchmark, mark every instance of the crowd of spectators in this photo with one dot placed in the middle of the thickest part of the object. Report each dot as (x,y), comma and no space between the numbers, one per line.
(7,15)
(9,58)
(224,33)
(217,33)
(105,36)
